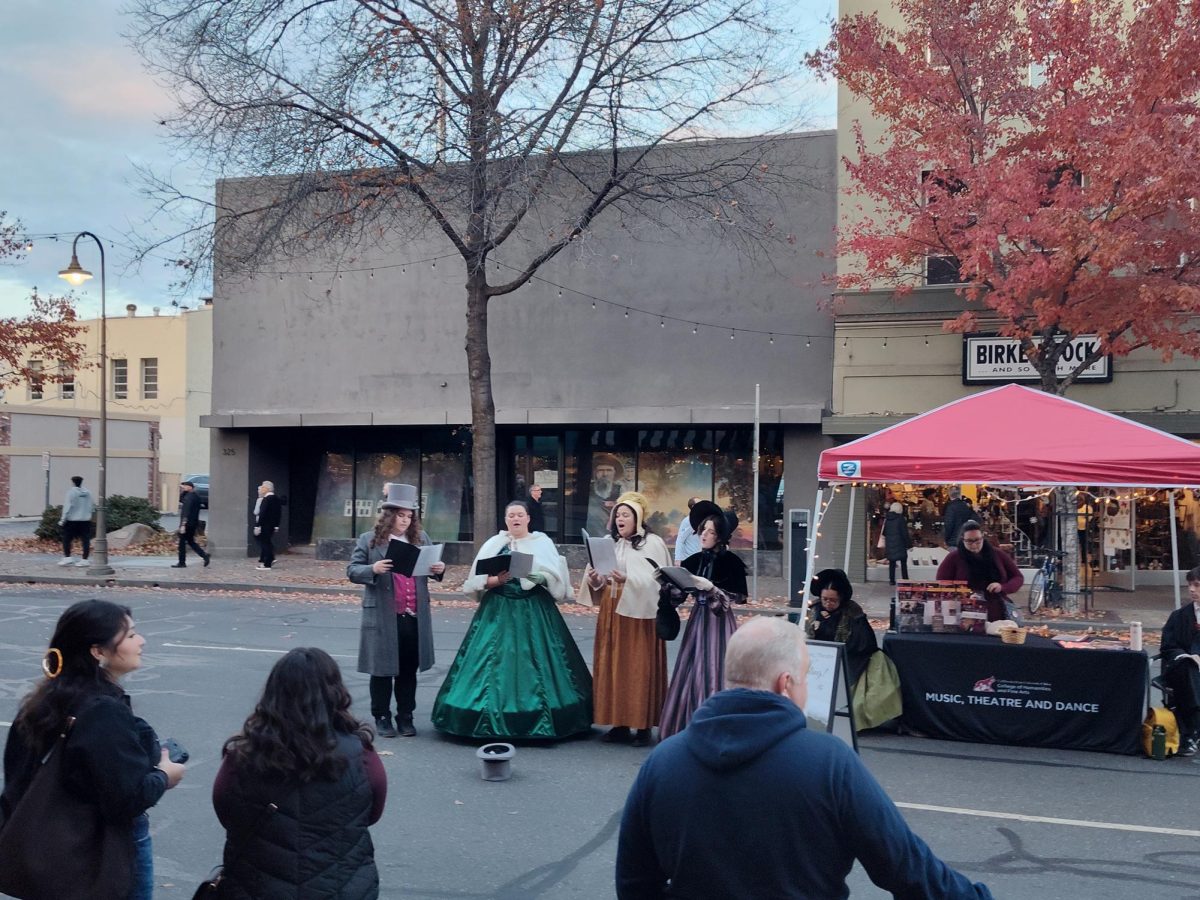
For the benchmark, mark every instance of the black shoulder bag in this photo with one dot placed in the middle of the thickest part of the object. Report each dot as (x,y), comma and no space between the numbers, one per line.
(210,887)
(57,845)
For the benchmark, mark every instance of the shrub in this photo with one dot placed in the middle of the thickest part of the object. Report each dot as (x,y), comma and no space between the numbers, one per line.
(122,511)
(48,529)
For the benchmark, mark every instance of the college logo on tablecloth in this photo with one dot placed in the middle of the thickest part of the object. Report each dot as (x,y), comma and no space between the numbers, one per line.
(986,685)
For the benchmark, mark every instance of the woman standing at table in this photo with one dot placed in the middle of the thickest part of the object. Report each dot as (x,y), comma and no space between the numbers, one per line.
(519,672)
(630,665)
(987,570)
(396,638)
(720,575)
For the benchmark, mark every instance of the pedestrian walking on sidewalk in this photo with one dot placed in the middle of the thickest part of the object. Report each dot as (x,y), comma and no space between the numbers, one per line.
(267,510)
(76,522)
(189,521)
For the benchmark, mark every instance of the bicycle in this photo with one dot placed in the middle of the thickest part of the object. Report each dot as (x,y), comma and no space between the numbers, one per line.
(1046,589)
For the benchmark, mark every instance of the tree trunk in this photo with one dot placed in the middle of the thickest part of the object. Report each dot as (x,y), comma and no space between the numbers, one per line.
(1066,498)
(483,407)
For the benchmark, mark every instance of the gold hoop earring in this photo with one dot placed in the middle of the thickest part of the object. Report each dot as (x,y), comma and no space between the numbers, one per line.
(58,667)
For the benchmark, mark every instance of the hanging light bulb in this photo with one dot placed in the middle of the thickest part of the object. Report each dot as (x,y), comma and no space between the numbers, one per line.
(627,312)
(807,343)
(593,304)
(771,339)
(731,334)
(662,323)
(695,330)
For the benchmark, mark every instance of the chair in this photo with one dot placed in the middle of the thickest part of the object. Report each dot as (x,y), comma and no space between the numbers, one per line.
(1160,684)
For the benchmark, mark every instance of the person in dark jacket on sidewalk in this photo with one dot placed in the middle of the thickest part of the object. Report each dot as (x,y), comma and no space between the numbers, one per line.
(747,765)
(1181,665)
(896,541)
(189,521)
(957,512)
(298,788)
(267,513)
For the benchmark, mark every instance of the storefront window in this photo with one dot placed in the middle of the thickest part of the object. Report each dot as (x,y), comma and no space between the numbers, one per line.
(446,500)
(673,465)
(536,462)
(734,483)
(333,516)
(601,468)
(371,472)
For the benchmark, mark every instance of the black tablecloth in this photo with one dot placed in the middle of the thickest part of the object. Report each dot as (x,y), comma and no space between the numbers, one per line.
(975,688)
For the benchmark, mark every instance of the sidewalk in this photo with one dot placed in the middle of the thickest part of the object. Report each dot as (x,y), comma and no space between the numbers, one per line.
(299,573)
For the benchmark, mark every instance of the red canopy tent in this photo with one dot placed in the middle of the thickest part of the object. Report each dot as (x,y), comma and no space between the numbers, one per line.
(1017,435)
(1012,435)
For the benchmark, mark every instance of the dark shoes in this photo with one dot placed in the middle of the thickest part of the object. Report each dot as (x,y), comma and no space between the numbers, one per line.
(1189,746)
(178,565)
(406,728)
(384,727)
(207,560)
(619,734)
(641,738)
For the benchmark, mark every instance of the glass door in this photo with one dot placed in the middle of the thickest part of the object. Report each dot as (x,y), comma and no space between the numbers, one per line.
(537,476)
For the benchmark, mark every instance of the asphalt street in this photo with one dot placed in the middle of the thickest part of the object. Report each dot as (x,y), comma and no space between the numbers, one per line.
(1030,823)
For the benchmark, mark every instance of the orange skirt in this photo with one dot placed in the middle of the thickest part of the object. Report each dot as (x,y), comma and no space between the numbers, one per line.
(629,677)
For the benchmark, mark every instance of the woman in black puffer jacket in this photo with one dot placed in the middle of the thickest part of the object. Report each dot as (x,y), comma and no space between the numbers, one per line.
(298,788)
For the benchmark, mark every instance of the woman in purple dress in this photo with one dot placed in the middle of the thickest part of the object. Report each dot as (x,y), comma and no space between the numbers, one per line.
(721,576)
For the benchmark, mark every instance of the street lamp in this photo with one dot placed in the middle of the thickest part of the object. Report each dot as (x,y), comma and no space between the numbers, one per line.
(76,275)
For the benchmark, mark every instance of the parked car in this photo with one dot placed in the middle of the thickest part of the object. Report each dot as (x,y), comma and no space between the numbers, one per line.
(201,487)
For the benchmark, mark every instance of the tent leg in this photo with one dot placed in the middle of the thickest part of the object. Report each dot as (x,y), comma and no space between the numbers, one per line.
(811,555)
(849,530)
(1174,546)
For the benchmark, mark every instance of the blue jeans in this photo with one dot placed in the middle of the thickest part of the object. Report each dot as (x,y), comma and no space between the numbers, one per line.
(143,860)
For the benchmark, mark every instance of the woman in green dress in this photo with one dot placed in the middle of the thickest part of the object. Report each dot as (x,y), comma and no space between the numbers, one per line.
(518,673)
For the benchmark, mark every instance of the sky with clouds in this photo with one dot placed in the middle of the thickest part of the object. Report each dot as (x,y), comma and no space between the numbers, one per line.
(79,115)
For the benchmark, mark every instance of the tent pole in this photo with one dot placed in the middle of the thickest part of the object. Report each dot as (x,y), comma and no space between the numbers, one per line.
(754,505)
(1174,546)
(849,529)
(811,555)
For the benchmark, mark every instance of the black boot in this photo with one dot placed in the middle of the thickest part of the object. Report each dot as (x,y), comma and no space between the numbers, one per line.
(405,724)
(384,727)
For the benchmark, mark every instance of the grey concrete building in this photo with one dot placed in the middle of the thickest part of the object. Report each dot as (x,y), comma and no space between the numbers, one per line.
(636,355)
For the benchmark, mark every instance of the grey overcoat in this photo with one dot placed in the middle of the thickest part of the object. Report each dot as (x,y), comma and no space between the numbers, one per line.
(378,645)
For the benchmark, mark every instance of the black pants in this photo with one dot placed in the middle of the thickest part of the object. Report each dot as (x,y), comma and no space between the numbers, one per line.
(266,546)
(81,530)
(188,539)
(903,569)
(404,684)
(1184,679)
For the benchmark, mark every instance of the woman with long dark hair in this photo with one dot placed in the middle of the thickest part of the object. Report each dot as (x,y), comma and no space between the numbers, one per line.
(396,639)
(720,576)
(111,757)
(298,787)
(519,672)
(630,665)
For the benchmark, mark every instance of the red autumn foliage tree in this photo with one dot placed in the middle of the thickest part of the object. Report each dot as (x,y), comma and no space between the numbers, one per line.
(46,333)
(1050,149)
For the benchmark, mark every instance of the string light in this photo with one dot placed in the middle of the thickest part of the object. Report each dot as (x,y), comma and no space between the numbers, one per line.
(731,334)
(695,330)
(771,340)
(807,343)
(662,323)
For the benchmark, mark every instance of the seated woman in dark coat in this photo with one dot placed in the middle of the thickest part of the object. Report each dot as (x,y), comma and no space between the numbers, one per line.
(834,616)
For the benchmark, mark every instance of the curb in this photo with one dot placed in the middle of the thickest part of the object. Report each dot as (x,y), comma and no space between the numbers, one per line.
(240,587)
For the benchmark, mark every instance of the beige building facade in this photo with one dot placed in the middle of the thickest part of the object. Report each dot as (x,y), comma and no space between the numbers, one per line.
(159,369)
(892,360)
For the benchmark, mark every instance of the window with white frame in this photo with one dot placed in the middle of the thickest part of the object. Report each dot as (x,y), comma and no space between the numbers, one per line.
(66,384)
(37,384)
(120,379)
(149,377)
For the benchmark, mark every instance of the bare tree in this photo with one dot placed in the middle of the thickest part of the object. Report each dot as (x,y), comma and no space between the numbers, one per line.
(497,122)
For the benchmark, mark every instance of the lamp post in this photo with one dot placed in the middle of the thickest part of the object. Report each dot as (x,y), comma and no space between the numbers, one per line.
(76,275)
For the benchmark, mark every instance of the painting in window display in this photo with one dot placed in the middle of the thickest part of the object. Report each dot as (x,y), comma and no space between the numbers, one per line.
(734,485)
(372,472)
(612,475)
(333,512)
(668,479)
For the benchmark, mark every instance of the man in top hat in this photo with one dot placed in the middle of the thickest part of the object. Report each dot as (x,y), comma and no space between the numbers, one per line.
(607,475)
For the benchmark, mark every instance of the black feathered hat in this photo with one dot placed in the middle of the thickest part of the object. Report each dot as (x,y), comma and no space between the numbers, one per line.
(833,579)
(701,511)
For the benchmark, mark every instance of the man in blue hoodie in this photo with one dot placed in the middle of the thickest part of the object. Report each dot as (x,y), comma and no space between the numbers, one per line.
(747,766)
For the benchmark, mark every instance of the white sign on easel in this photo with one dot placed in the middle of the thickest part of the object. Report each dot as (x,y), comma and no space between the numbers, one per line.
(828,706)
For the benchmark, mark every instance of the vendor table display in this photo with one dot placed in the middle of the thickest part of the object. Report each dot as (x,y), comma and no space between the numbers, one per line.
(976,688)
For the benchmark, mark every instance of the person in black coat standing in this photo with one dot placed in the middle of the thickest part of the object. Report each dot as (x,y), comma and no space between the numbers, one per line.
(896,541)
(267,511)
(189,521)
(1181,665)
(957,511)
(537,515)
